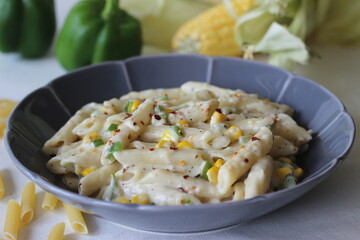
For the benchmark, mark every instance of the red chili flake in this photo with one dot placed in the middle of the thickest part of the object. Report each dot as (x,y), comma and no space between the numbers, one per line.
(246,160)
(142,123)
(173,112)
(128,115)
(134,123)
(118,130)
(173,148)
(200,105)
(111,142)
(255,139)
(129,136)
(105,113)
(151,149)
(196,156)
(157,117)
(218,110)
(185,176)
(150,114)
(181,189)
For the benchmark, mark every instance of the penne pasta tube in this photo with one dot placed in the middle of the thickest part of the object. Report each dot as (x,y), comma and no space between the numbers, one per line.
(239,191)
(129,130)
(27,203)
(65,136)
(240,162)
(49,202)
(2,187)
(187,161)
(57,232)
(76,219)
(259,177)
(12,220)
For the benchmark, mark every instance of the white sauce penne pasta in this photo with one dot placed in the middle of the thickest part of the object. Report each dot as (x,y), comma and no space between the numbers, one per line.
(259,177)
(195,144)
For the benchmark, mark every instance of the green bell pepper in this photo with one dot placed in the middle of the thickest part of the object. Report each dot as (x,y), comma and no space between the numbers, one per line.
(97,31)
(27,26)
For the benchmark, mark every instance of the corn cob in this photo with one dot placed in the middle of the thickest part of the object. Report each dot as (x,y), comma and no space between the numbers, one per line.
(212,32)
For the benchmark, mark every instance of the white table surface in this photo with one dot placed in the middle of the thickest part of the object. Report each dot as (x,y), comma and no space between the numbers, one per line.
(330,211)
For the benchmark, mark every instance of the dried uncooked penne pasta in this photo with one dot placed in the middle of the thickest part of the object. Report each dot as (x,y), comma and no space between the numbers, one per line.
(12,220)
(57,232)
(28,203)
(49,202)
(76,219)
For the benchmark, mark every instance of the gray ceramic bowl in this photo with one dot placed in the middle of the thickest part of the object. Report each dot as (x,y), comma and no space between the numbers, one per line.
(44,111)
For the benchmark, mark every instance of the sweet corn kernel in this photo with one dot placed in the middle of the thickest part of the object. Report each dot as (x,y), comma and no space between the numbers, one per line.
(184,145)
(212,174)
(182,163)
(168,110)
(142,198)
(168,135)
(164,144)
(298,173)
(219,162)
(88,171)
(108,110)
(182,123)
(234,133)
(217,118)
(285,159)
(88,138)
(122,200)
(135,104)
(281,173)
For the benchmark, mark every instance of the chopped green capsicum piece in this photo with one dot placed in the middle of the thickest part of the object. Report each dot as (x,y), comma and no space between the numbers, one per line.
(177,130)
(98,142)
(116,147)
(113,127)
(206,168)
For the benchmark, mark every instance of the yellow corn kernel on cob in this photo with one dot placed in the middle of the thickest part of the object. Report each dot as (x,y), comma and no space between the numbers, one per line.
(212,32)
(88,138)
